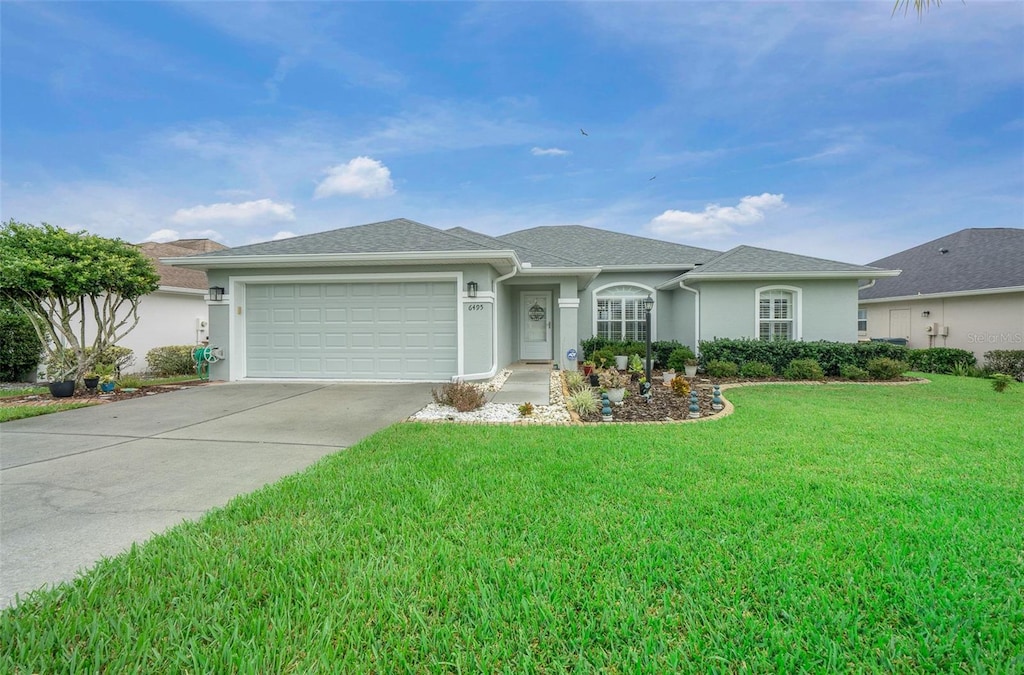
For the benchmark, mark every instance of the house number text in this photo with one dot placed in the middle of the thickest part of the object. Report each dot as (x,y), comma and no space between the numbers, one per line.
(474,308)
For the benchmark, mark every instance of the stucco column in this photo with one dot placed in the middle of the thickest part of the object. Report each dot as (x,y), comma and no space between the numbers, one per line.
(568,331)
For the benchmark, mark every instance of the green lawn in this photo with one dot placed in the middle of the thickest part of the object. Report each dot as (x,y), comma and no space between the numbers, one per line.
(852,528)
(8,413)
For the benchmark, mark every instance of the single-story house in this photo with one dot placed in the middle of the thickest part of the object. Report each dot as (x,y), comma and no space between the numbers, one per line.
(399,300)
(964,290)
(175,313)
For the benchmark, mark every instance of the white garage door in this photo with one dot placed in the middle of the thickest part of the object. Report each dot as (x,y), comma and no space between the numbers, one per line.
(366,331)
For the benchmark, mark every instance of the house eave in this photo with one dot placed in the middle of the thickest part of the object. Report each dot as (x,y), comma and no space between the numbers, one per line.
(504,261)
(648,268)
(181,290)
(584,275)
(947,294)
(734,276)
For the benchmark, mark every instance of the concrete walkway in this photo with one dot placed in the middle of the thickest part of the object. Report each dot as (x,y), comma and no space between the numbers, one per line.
(84,484)
(528,383)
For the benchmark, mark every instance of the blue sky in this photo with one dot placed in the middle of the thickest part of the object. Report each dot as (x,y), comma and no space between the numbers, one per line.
(828,129)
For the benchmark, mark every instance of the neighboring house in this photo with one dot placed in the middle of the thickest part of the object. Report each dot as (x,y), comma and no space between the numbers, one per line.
(176,313)
(964,290)
(399,300)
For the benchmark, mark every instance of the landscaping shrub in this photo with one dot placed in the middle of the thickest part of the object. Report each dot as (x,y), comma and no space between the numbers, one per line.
(678,358)
(130,382)
(803,369)
(526,409)
(854,373)
(965,370)
(121,358)
(661,350)
(778,354)
(884,368)
(20,348)
(1008,361)
(633,347)
(583,401)
(1001,382)
(574,380)
(939,359)
(717,368)
(680,385)
(604,357)
(462,396)
(593,344)
(757,369)
(171,360)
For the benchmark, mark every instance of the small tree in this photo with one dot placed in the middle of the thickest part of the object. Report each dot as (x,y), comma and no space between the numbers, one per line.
(60,278)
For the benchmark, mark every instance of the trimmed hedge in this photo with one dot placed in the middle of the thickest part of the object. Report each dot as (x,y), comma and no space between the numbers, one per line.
(1007,361)
(939,359)
(660,349)
(171,361)
(778,354)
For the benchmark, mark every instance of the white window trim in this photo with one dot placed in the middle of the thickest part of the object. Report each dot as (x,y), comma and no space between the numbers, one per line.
(798,308)
(651,291)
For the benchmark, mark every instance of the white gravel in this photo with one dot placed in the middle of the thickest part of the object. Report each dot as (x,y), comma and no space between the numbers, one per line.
(503,413)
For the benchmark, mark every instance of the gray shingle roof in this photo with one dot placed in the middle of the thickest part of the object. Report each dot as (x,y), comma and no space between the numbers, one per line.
(975,259)
(525,253)
(752,260)
(601,248)
(390,236)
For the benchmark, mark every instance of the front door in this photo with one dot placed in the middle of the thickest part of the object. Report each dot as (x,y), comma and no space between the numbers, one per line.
(899,323)
(535,325)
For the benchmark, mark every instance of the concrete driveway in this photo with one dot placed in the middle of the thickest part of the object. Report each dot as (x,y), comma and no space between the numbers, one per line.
(84,484)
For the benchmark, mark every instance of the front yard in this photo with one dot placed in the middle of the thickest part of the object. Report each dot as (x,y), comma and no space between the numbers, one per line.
(852,528)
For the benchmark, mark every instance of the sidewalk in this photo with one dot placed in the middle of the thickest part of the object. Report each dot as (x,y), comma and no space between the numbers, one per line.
(528,383)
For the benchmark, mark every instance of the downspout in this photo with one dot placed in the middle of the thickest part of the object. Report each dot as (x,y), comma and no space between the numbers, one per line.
(494,332)
(696,316)
(870,284)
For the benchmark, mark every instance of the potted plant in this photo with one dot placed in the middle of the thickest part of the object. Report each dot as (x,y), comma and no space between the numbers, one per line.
(621,361)
(91,380)
(107,379)
(614,383)
(636,366)
(59,374)
(690,367)
(666,377)
(588,368)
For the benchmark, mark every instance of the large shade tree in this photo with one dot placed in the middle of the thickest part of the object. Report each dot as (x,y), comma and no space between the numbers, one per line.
(62,279)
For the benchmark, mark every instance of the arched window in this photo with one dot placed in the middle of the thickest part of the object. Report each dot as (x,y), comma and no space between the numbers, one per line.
(778,313)
(619,312)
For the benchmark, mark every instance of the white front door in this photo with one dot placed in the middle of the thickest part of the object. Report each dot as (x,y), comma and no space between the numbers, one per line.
(535,325)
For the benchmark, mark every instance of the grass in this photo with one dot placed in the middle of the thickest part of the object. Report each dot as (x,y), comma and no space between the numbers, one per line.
(17,412)
(852,528)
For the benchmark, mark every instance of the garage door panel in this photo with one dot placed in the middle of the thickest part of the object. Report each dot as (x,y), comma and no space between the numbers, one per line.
(361,330)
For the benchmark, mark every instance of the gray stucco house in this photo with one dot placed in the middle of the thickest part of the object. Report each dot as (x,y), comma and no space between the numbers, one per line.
(399,300)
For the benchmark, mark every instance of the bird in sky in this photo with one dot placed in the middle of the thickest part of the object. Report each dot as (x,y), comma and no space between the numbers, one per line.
(651,178)
(584,132)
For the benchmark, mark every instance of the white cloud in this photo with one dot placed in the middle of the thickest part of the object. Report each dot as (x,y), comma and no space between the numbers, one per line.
(715,220)
(363,176)
(549,151)
(242,213)
(283,234)
(163,236)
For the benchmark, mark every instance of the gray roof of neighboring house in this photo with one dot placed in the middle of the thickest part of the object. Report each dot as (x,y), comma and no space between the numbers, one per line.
(525,253)
(749,260)
(601,248)
(974,259)
(390,236)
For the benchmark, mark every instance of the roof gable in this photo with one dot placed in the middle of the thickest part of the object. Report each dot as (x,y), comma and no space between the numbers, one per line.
(603,248)
(390,236)
(973,259)
(754,261)
(526,254)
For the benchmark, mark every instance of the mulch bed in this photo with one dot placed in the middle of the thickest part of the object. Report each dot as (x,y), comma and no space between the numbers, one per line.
(84,396)
(665,406)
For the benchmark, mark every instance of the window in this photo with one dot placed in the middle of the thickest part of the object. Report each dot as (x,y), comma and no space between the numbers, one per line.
(619,313)
(776,314)
(862,321)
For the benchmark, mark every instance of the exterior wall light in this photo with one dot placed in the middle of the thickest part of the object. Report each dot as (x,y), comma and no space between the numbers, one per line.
(216,293)
(926,313)
(471,288)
